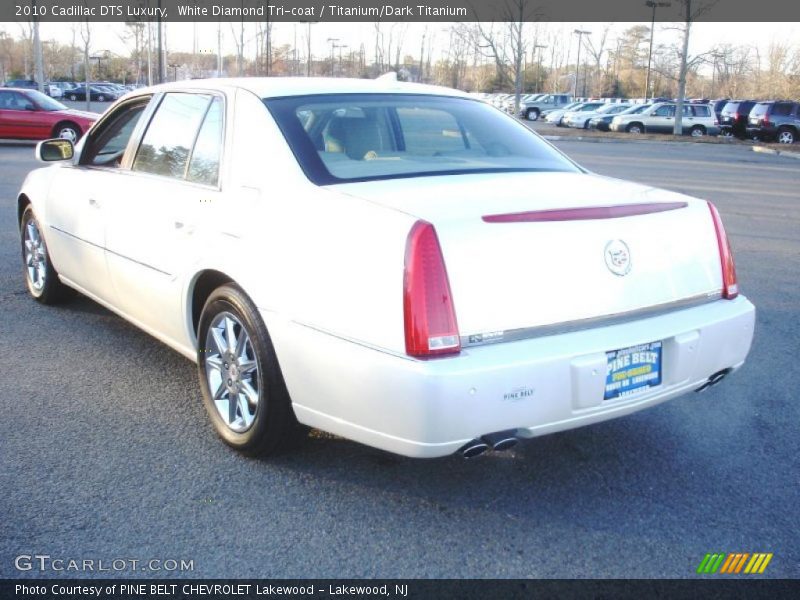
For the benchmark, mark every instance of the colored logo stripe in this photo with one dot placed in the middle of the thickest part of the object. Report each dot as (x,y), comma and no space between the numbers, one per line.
(734,562)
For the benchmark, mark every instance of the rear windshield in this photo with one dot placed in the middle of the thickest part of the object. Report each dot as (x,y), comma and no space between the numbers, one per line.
(730,108)
(359,137)
(759,110)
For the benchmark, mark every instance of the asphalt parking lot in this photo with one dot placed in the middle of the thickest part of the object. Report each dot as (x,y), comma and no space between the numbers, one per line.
(106,452)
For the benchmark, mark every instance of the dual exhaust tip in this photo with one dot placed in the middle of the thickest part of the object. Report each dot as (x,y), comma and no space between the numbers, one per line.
(498,441)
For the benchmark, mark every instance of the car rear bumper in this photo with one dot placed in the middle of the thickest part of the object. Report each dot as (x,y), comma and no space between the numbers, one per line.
(535,386)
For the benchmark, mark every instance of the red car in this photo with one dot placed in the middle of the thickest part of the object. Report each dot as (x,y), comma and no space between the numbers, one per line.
(30,115)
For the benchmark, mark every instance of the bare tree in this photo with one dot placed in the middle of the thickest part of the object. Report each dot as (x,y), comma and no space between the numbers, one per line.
(596,52)
(506,43)
(86,36)
(691,9)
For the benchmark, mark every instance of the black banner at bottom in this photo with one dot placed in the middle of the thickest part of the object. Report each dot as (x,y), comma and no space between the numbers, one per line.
(254,589)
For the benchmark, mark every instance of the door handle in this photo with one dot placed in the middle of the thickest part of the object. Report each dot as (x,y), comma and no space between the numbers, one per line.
(184,227)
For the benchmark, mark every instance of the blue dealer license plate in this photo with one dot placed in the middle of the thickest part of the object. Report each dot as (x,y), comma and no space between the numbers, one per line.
(632,370)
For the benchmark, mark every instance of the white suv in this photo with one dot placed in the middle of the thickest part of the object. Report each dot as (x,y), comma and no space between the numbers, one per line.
(698,120)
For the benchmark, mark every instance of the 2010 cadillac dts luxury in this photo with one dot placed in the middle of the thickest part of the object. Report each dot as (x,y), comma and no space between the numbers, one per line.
(394,263)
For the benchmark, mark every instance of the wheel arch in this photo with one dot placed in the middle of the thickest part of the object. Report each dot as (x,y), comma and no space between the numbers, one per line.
(203,284)
(22,203)
(63,122)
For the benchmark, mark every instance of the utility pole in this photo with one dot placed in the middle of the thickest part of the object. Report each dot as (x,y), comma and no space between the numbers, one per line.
(581,33)
(37,51)
(160,50)
(652,4)
(332,42)
(219,49)
(539,47)
(715,55)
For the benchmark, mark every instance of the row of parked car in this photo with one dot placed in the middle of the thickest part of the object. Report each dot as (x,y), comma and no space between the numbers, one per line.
(746,119)
(101,91)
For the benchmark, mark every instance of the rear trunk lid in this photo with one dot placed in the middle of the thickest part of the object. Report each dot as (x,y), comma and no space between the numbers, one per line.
(516,272)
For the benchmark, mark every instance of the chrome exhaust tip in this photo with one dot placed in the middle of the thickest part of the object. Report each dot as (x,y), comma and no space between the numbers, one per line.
(714,380)
(474,448)
(501,440)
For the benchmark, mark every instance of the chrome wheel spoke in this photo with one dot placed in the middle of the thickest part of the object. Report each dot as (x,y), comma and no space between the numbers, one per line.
(230,334)
(247,366)
(215,362)
(249,393)
(221,390)
(218,340)
(244,409)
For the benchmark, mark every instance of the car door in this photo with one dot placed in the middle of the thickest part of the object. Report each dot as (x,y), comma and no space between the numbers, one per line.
(158,225)
(7,130)
(22,118)
(661,120)
(78,197)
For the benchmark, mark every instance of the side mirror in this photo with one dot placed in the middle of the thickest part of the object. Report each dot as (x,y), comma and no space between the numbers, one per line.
(54,150)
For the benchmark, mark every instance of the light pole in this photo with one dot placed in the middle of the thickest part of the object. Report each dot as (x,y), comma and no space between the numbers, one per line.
(539,47)
(581,33)
(652,4)
(308,58)
(332,42)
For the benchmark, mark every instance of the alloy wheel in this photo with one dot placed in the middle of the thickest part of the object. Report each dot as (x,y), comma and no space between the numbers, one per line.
(231,369)
(35,256)
(786,137)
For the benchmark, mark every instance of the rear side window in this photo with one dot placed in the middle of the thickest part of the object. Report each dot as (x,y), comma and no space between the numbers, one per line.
(701,110)
(782,109)
(171,134)
(204,164)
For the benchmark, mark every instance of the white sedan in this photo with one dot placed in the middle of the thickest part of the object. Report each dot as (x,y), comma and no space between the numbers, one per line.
(401,265)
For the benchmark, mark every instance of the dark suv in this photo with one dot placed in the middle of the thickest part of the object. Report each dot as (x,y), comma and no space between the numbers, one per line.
(733,118)
(775,120)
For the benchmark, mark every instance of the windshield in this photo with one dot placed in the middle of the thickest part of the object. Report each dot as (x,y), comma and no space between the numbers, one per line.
(358,137)
(45,102)
(635,110)
(573,106)
(611,108)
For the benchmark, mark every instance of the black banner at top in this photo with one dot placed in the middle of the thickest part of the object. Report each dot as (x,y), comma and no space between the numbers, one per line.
(401,10)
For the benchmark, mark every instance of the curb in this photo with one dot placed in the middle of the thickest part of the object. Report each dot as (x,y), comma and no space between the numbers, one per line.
(772,151)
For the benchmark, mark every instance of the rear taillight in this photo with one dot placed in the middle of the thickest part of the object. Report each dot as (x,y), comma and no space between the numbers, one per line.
(765,120)
(430,319)
(730,286)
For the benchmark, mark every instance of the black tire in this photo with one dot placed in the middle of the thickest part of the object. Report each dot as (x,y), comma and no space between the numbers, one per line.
(532,114)
(73,97)
(635,128)
(274,428)
(52,291)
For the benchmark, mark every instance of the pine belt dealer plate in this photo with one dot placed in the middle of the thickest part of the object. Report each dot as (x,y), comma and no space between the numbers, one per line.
(632,370)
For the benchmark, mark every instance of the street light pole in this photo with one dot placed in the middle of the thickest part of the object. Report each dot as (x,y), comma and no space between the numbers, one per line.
(581,33)
(652,4)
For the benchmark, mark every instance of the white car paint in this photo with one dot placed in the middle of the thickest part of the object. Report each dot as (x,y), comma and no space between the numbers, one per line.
(537,307)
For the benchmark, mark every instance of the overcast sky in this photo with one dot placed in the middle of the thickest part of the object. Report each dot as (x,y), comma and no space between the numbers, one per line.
(106,36)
